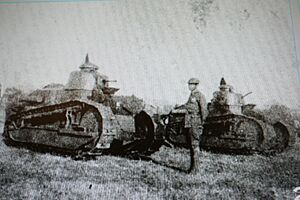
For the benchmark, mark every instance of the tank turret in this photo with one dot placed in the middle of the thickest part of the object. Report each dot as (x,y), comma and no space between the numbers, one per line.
(88,83)
(225,101)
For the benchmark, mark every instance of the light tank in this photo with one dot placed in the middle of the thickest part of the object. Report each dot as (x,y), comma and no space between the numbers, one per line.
(82,116)
(231,126)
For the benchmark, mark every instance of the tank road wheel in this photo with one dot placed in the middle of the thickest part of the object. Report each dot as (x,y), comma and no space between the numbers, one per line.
(282,136)
(251,132)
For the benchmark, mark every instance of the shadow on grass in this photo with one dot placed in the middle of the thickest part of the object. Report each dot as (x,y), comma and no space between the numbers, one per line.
(161,163)
(170,166)
(137,151)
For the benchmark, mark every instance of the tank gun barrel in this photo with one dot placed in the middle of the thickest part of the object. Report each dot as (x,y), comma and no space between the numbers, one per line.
(107,81)
(247,94)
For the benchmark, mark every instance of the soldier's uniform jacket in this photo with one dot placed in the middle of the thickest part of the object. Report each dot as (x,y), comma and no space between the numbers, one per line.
(196,109)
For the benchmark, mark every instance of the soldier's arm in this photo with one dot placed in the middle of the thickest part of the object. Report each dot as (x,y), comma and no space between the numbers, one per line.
(183,106)
(179,106)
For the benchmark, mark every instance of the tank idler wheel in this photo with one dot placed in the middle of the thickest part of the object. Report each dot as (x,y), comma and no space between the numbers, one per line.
(90,121)
(253,132)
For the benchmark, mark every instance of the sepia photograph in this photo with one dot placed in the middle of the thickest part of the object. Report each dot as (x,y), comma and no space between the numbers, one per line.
(150,99)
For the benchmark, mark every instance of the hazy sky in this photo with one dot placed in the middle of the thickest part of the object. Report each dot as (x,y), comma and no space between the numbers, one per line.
(152,47)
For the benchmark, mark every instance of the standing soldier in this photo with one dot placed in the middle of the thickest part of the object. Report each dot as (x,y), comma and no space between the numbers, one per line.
(195,116)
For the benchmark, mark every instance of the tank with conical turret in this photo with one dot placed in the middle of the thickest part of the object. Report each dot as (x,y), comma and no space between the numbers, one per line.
(83,115)
(229,126)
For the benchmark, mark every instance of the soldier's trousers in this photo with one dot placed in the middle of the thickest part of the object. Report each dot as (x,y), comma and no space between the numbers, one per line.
(195,133)
(194,124)
(194,137)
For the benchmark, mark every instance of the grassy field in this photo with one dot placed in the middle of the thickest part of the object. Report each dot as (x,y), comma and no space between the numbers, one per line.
(32,175)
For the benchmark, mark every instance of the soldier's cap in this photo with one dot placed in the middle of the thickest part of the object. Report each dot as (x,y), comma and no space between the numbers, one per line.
(194,81)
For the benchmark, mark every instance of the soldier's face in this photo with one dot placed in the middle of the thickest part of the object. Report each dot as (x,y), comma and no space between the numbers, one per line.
(192,87)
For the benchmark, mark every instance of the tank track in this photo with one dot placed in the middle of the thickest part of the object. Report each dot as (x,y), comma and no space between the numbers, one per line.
(233,133)
(69,126)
